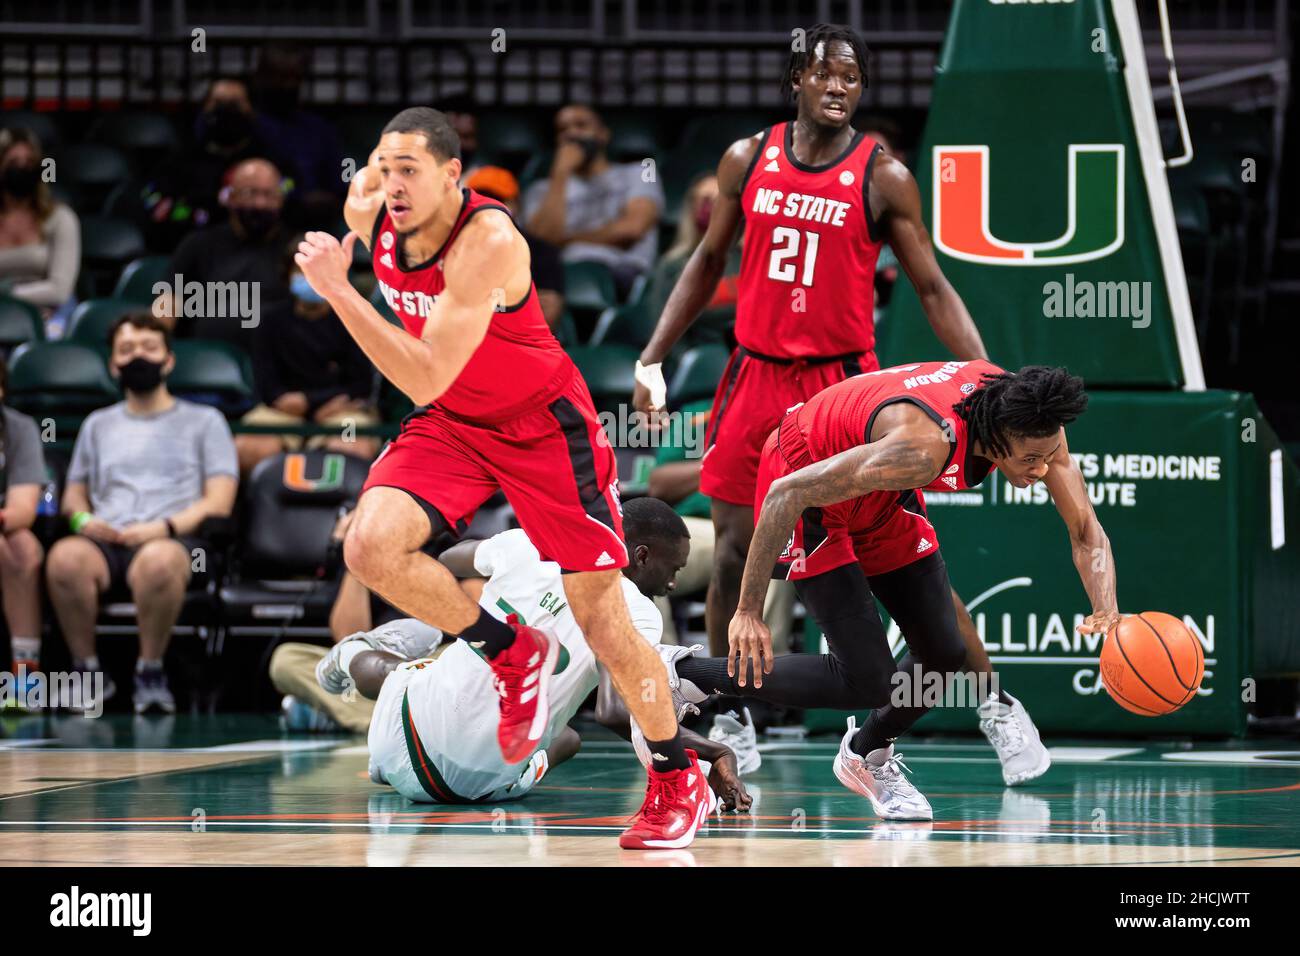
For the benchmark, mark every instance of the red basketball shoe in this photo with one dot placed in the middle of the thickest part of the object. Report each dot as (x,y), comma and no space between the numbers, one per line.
(522,672)
(676,803)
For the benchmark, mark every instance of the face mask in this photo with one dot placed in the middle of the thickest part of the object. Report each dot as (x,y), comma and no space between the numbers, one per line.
(302,290)
(702,215)
(590,147)
(256,223)
(140,375)
(21,180)
(226,125)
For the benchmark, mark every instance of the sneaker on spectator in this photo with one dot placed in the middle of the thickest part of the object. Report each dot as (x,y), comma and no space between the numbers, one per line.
(152,692)
(298,716)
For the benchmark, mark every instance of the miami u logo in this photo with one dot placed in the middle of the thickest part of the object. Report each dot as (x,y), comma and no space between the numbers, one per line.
(1094,208)
(295,473)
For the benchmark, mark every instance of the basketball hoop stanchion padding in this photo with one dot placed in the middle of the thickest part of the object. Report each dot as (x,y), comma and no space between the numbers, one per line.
(1197,543)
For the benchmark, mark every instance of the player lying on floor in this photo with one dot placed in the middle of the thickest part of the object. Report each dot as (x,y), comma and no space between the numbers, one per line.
(433,733)
(841,514)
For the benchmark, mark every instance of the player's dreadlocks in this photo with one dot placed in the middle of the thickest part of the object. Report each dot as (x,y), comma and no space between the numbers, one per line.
(1032,403)
(824,33)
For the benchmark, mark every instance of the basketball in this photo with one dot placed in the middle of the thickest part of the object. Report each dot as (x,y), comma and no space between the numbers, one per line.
(1151,664)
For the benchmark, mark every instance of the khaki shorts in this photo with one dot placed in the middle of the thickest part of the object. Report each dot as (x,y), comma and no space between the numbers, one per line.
(265,415)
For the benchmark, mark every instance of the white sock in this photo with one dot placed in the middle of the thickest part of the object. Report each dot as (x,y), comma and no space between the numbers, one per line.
(349,651)
(26,650)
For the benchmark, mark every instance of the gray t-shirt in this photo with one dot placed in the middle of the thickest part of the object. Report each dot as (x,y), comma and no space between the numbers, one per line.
(146,467)
(22,461)
(595,202)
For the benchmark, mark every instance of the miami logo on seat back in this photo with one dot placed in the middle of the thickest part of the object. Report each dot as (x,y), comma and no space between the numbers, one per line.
(295,473)
(1094,208)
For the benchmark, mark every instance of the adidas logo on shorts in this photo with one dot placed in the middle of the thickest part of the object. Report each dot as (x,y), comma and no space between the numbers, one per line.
(925,545)
(604,560)
(950,481)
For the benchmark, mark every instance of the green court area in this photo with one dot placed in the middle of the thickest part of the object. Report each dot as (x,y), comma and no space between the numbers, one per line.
(234,790)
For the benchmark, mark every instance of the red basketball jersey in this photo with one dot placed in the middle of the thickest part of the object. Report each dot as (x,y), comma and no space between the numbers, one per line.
(841,417)
(518,366)
(808,264)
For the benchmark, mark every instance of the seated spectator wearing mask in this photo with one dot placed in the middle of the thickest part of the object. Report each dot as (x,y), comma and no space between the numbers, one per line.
(307,368)
(183,194)
(145,474)
(697,207)
(245,249)
(595,210)
(40,238)
(305,146)
(22,478)
(547,267)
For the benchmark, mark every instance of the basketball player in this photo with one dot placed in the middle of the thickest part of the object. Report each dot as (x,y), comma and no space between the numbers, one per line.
(839,515)
(433,733)
(501,406)
(818,201)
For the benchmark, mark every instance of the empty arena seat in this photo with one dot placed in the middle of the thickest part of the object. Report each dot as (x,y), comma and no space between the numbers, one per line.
(145,136)
(698,373)
(608,371)
(137,280)
(588,291)
(62,380)
(41,124)
(509,139)
(19,322)
(92,319)
(213,373)
(93,169)
(629,323)
(292,502)
(633,137)
(107,245)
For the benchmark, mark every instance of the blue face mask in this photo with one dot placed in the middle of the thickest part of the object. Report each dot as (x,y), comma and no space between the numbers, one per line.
(302,289)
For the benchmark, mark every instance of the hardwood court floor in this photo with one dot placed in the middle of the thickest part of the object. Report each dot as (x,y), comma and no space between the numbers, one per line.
(233,790)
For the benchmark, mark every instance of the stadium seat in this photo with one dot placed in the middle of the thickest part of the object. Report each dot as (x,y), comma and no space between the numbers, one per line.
(92,319)
(588,291)
(633,137)
(608,370)
(566,331)
(137,280)
(42,124)
(627,324)
(107,245)
(292,502)
(19,322)
(62,380)
(145,136)
(213,373)
(93,169)
(509,139)
(698,373)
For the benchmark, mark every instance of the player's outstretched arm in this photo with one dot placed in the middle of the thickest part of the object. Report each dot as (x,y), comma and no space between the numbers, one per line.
(699,279)
(894,188)
(1089,546)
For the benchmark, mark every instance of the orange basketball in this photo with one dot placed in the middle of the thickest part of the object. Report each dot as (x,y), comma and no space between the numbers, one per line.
(1151,663)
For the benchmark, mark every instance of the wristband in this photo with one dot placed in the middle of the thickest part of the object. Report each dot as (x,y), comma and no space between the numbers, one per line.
(80,520)
(652,377)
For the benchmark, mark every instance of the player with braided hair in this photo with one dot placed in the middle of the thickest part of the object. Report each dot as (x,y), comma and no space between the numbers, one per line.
(841,514)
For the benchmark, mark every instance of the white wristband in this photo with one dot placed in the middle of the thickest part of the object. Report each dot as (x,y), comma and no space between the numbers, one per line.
(652,377)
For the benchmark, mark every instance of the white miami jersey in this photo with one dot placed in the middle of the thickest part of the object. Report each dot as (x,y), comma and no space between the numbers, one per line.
(452,704)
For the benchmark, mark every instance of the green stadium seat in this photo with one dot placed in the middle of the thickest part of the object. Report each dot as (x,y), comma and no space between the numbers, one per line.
(566,331)
(608,371)
(20,322)
(146,136)
(42,124)
(93,169)
(92,319)
(627,324)
(509,139)
(59,379)
(213,372)
(588,290)
(107,245)
(633,137)
(712,133)
(698,373)
(137,280)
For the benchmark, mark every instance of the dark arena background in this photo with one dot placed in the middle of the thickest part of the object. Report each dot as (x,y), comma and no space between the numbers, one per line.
(1103,185)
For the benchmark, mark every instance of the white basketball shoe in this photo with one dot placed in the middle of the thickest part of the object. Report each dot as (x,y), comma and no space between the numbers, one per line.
(880,777)
(1015,738)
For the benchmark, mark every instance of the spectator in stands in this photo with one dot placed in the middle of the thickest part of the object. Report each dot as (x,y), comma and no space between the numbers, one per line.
(22,479)
(675,479)
(691,225)
(145,474)
(246,249)
(459,111)
(595,210)
(547,267)
(305,146)
(40,238)
(183,194)
(307,368)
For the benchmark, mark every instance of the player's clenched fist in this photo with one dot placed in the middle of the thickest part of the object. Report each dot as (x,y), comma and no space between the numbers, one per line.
(366,192)
(749,642)
(325,261)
